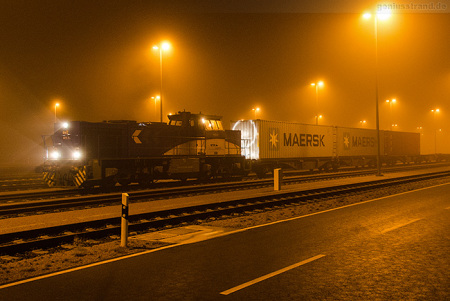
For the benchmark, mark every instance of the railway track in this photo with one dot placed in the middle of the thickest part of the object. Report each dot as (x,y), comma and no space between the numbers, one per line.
(19,242)
(29,202)
(24,183)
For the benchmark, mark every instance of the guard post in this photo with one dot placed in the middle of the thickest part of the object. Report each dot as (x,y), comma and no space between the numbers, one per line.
(277,179)
(124,228)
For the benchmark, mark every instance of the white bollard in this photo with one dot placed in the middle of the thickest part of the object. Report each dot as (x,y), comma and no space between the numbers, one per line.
(277,179)
(124,228)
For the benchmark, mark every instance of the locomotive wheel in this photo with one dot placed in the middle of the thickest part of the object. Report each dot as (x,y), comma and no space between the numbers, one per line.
(205,176)
(262,172)
(108,183)
(124,182)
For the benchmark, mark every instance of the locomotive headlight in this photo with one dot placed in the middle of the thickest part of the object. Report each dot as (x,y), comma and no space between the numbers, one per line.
(55,155)
(76,155)
(65,125)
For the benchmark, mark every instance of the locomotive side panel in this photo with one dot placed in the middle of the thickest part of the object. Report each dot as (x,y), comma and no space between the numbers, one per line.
(103,140)
(155,140)
(233,142)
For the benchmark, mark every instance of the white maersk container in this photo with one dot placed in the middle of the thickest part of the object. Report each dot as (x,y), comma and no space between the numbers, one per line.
(353,142)
(263,139)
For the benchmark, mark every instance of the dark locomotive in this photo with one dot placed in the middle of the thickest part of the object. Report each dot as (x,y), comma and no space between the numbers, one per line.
(87,154)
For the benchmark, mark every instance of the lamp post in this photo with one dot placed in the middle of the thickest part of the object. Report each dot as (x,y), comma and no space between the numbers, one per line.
(156,98)
(161,47)
(382,15)
(255,110)
(317,85)
(391,102)
(435,129)
(56,105)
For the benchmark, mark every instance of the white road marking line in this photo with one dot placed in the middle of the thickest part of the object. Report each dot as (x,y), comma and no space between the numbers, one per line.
(399,226)
(244,285)
(84,267)
(333,209)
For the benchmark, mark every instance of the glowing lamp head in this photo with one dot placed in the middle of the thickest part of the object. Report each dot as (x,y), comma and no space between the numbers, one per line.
(367,16)
(65,125)
(165,46)
(76,155)
(55,155)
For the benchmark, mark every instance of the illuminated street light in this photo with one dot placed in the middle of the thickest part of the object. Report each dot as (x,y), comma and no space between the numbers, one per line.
(382,15)
(163,46)
(362,123)
(435,129)
(256,110)
(56,105)
(317,85)
(156,98)
(391,102)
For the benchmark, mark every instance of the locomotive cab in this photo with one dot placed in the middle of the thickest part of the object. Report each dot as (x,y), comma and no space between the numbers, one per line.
(207,133)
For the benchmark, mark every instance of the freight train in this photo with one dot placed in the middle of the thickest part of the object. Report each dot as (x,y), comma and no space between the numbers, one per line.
(86,154)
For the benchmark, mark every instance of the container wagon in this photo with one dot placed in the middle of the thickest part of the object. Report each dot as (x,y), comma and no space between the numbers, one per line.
(288,145)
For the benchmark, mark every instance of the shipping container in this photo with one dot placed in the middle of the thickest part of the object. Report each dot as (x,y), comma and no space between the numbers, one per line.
(276,144)
(263,139)
(352,142)
(401,143)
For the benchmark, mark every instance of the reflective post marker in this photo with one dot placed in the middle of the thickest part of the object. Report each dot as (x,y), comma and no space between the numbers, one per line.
(124,234)
(277,179)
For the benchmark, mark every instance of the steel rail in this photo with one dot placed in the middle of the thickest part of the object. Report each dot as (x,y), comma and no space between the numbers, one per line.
(10,196)
(115,198)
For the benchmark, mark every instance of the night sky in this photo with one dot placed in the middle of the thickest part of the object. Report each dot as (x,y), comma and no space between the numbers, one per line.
(96,59)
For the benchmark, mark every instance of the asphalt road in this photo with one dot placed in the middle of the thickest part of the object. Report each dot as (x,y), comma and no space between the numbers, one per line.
(387,249)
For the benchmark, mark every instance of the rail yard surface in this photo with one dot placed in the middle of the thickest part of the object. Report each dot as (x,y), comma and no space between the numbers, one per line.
(85,252)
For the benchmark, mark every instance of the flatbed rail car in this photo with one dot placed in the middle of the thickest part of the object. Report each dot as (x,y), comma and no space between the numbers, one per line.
(288,145)
(103,153)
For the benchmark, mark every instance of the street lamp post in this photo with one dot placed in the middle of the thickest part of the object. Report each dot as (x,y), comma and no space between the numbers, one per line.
(391,102)
(317,85)
(435,129)
(56,105)
(163,46)
(383,15)
(156,98)
(255,110)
